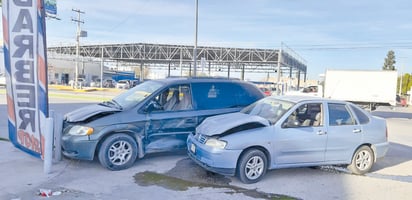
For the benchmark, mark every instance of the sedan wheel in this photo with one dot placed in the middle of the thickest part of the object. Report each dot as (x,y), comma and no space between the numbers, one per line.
(252,166)
(118,152)
(362,161)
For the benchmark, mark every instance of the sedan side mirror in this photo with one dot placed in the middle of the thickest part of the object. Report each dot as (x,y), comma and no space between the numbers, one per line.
(291,124)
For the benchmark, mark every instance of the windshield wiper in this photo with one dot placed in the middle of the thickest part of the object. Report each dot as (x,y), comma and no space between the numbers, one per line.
(111,104)
(117,104)
(105,103)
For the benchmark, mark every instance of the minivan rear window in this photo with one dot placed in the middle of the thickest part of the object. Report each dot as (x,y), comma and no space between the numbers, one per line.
(220,95)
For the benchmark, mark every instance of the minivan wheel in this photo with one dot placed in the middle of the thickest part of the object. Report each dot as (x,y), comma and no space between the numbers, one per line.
(362,160)
(118,152)
(252,166)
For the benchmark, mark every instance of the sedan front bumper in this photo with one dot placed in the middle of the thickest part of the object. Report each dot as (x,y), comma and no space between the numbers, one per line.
(221,161)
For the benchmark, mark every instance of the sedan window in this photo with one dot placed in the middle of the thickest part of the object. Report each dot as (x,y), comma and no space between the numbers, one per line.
(339,115)
(305,115)
(362,117)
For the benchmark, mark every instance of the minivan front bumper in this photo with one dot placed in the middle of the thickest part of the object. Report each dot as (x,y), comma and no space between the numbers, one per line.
(79,147)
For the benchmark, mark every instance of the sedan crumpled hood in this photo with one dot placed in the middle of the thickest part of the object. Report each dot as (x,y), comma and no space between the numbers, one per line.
(86,112)
(221,123)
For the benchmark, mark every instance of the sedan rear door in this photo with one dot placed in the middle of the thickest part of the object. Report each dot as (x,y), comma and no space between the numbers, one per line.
(344,133)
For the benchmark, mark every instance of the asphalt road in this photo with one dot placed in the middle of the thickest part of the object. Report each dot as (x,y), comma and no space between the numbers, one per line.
(174,176)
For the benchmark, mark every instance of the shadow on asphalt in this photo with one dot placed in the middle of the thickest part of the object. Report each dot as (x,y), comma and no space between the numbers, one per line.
(394,156)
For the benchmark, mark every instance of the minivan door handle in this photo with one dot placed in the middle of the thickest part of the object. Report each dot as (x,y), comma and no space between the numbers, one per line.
(190,120)
(320,132)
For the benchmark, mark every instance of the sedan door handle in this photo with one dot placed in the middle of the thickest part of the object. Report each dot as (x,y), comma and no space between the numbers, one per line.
(320,132)
(356,130)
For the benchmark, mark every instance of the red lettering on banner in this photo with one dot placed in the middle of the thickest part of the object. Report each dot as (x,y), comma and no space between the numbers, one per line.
(28,141)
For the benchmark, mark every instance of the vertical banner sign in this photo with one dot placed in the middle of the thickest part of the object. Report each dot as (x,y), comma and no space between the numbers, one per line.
(26,73)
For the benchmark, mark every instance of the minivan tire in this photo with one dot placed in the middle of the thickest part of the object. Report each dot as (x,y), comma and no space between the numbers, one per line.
(118,152)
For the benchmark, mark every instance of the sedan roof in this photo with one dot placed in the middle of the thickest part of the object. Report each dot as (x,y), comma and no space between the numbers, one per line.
(297,98)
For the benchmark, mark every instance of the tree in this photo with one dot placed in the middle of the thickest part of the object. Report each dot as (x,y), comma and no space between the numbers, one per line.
(406,83)
(389,61)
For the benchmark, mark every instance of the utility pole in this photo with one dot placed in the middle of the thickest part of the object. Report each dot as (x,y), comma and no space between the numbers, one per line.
(78,32)
(195,46)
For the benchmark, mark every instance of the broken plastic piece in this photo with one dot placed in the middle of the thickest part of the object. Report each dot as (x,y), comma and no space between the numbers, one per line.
(45,193)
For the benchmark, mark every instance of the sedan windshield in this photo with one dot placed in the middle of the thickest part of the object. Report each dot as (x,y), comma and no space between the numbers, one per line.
(269,108)
(136,94)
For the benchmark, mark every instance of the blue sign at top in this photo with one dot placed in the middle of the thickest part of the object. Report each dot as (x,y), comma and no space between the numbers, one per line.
(51,8)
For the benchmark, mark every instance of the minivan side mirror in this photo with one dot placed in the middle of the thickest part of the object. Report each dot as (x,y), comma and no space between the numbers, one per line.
(153,106)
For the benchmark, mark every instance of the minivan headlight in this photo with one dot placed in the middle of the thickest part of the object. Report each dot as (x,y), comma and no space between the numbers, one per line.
(80,130)
(216,143)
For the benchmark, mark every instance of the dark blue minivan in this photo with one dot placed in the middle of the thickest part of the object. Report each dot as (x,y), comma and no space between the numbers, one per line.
(154,116)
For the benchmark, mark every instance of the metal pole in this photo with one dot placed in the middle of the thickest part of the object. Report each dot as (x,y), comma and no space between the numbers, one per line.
(101,70)
(181,60)
(279,60)
(228,71)
(77,57)
(141,71)
(78,21)
(195,46)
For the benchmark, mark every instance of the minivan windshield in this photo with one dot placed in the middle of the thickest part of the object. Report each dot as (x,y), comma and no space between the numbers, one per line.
(136,94)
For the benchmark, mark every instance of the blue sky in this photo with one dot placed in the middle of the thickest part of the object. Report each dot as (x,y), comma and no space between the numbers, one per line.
(335,34)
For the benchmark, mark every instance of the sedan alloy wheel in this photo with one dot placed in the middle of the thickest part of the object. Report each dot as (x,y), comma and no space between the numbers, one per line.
(362,161)
(252,166)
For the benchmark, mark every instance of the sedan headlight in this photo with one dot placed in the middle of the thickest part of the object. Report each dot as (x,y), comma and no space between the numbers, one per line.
(80,130)
(216,143)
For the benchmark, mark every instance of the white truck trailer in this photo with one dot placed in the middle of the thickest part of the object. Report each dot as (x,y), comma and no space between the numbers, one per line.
(365,87)
(2,80)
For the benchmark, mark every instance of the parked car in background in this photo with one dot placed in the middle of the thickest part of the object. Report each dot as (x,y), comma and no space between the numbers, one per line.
(289,131)
(95,83)
(109,83)
(266,91)
(154,116)
(81,82)
(123,84)
(134,83)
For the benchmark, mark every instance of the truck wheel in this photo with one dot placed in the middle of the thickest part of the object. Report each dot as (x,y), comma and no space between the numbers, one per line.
(252,166)
(118,152)
(362,160)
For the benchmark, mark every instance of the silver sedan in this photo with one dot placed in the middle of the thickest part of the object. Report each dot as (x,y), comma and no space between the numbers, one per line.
(289,131)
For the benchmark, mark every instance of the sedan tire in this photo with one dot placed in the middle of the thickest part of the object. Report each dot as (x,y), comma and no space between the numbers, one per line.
(118,152)
(252,166)
(362,160)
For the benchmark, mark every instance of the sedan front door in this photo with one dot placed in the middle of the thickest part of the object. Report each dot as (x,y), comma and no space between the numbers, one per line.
(299,142)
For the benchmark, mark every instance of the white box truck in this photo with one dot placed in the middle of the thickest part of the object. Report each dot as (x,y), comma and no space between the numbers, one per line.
(371,88)
(2,80)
